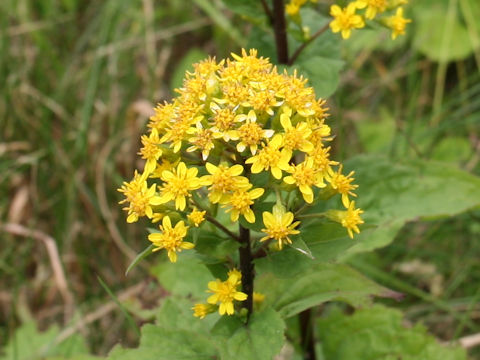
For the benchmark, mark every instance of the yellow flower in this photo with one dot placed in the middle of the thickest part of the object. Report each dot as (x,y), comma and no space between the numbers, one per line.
(258,298)
(178,184)
(292,9)
(304,176)
(250,133)
(196,217)
(224,120)
(225,292)
(151,150)
(202,310)
(295,138)
(345,20)
(373,7)
(237,274)
(140,198)
(349,219)
(321,160)
(343,185)
(397,23)
(279,225)
(164,165)
(223,180)
(163,113)
(203,140)
(171,239)
(240,202)
(271,157)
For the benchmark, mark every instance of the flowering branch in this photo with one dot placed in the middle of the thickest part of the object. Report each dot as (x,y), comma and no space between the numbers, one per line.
(306,43)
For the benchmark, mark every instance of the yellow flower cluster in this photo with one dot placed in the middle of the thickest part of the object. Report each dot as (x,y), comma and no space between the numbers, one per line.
(346,19)
(232,120)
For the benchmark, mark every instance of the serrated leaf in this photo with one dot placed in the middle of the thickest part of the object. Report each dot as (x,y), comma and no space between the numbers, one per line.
(187,277)
(326,243)
(378,333)
(392,193)
(318,284)
(27,343)
(261,339)
(177,335)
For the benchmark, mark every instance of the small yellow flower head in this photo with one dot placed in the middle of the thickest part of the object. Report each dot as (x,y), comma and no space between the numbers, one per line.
(279,225)
(304,176)
(345,19)
(237,274)
(178,184)
(151,150)
(397,23)
(271,157)
(224,293)
(202,310)
(240,202)
(171,238)
(343,185)
(258,298)
(374,7)
(224,180)
(349,219)
(196,217)
(140,198)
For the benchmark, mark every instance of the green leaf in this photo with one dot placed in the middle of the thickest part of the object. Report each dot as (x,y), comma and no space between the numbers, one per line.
(194,55)
(187,277)
(393,193)
(249,9)
(139,257)
(452,41)
(321,283)
(325,241)
(378,333)
(177,335)
(29,343)
(214,248)
(158,343)
(321,60)
(261,339)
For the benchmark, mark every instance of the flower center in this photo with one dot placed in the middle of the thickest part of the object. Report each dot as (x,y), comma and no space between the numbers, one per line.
(250,133)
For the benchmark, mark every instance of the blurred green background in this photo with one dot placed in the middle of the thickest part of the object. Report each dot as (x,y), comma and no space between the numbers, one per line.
(78,81)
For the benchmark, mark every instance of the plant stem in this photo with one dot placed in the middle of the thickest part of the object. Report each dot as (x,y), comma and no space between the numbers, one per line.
(221,227)
(306,43)
(280,28)
(267,11)
(306,334)
(247,268)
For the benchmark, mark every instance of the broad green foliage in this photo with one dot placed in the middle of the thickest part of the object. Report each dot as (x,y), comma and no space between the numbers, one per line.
(28,344)
(395,193)
(178,335)
(321,60)
(457,34)
(262,339)
(187,277)
(314,286)
(378,333)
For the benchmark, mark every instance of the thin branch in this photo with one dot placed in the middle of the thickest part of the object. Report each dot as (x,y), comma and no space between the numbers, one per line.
(268,12)
(221,227)
(280,28)
(306,43)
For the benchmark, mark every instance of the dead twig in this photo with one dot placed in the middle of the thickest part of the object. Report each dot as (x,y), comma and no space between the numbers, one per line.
(55,262)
